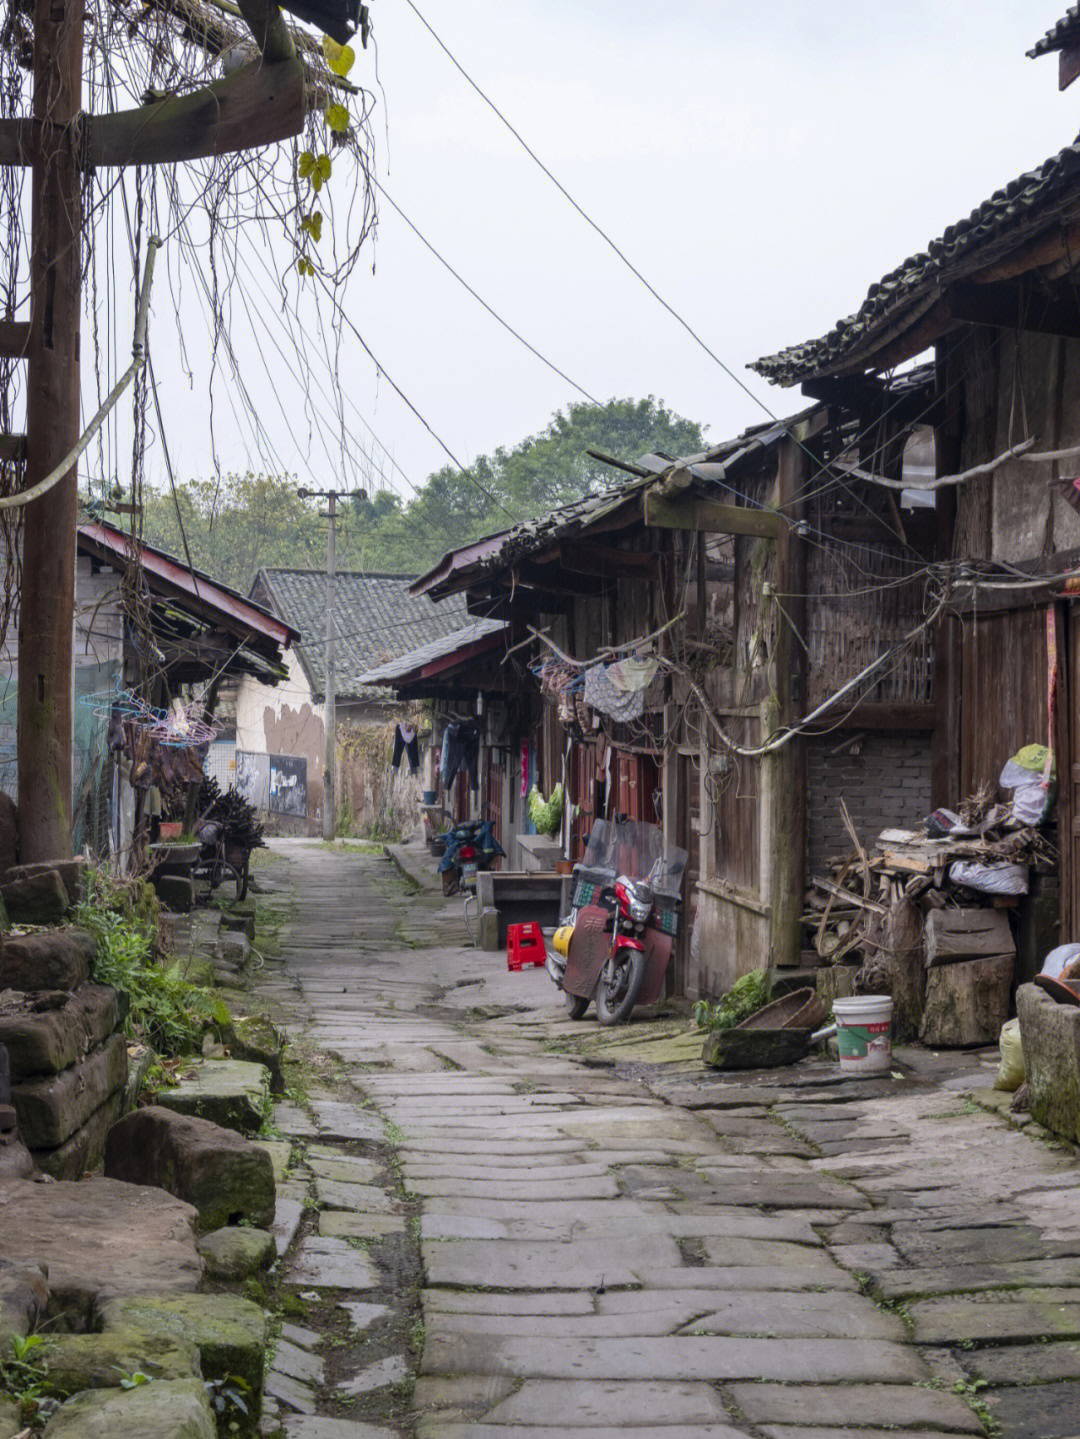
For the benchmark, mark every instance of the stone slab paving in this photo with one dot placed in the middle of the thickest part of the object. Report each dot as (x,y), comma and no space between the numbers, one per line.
(697,1255)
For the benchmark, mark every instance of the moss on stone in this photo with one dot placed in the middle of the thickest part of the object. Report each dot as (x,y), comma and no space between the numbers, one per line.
(176,1409)
(75,1362)
(229,1332)
(234,1253)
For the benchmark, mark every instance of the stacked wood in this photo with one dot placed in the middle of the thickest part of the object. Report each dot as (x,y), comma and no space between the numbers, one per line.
(943,950)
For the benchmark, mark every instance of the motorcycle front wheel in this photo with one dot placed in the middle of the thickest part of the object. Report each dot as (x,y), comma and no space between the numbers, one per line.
(617,993)
(575,1005)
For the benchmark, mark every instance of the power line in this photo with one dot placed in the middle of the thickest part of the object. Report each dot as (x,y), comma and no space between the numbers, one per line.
(587,217)
(409,404)
(479,298)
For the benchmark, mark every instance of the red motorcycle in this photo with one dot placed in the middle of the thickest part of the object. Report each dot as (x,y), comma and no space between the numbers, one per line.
(623,927)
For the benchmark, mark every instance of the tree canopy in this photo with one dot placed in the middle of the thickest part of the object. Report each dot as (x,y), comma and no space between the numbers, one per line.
(251,520)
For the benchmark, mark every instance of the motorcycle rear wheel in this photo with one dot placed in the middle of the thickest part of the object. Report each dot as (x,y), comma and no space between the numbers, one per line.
(575,1005)
(616,997)
(449,882)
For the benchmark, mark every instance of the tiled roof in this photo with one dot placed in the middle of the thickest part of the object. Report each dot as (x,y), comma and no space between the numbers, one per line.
(459,567)
(376,617)
(1029,203)
(1065,32)
(433,650)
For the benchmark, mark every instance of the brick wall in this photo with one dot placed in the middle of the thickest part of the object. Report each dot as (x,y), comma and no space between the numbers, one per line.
(885,784)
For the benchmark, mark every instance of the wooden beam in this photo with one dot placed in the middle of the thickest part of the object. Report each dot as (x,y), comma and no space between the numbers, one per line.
(257,105)
(1009,306)
(713,517)
(12,449)
(267,24)
(877,715)
(1068,66)
(14,338)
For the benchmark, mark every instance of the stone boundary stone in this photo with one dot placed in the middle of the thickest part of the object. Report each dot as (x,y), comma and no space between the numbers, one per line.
(52,1108)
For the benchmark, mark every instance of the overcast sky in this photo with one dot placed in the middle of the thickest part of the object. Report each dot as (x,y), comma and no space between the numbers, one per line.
(762,162)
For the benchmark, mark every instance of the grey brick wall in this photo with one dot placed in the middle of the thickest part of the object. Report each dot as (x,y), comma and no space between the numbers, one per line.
(886,785)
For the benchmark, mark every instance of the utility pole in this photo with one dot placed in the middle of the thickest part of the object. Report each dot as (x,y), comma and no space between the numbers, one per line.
(259,104)
(47,597)
(329,810)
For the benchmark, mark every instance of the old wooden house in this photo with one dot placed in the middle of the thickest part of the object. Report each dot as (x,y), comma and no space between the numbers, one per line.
(697,570)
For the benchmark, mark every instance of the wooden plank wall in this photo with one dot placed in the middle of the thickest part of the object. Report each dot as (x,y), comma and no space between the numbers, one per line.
(1003,691)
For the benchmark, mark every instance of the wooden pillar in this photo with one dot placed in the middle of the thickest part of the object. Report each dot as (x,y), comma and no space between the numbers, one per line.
(787,789)
(47,601)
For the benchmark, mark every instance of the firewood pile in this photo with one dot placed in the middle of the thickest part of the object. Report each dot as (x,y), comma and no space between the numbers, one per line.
(226,808)
(925,918)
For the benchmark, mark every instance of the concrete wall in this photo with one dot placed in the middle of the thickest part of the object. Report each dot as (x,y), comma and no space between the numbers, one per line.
(284,719)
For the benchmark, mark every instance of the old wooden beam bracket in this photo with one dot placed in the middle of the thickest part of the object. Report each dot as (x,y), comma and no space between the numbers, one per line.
(711,516)
(257,105)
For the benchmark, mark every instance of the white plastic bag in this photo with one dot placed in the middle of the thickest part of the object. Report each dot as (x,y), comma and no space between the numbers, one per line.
(1031,800)
(1010,1075)
(990,878)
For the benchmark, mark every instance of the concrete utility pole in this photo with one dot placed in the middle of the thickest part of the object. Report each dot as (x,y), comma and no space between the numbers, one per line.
(329,811)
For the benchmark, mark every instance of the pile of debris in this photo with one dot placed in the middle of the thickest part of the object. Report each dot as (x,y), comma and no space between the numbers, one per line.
(923,916)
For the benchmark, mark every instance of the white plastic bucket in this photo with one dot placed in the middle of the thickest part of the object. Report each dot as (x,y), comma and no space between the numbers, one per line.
(863,1029)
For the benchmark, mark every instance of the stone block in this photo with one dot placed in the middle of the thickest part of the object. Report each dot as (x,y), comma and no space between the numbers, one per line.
(223,1175)
(176,892)
(100,1239)
(229,1092)
(83,1150)
(1050,1033)
(177,1409)
(51,1108)
(73,873)
(24,1296)
(36,898)
(56,1028)
(255,1039)
(228,1332)
(234,1253)
(99,1361)
(55,959)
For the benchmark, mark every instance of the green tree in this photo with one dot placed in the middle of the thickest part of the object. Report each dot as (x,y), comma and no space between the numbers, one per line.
(253,520)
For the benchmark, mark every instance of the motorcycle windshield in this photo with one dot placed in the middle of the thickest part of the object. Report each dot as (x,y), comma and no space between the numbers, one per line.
(636,849)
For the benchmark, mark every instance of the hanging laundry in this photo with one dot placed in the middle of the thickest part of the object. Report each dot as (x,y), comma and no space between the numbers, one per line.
(602,694)
(406,743)
(632,675)
(461,750)
(524,768)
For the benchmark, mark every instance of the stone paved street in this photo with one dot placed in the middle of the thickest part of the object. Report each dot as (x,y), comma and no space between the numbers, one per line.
(643,1248)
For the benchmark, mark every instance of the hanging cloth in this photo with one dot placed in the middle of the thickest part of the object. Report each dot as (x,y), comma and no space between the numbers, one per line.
(631,675)
(602,694)
(406,743)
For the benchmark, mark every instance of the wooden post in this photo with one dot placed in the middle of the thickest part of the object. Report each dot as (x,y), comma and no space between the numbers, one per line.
(47,599)
(788,788)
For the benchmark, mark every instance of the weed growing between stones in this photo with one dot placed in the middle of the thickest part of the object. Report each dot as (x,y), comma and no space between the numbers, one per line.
(22,1379)
(168,1013)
